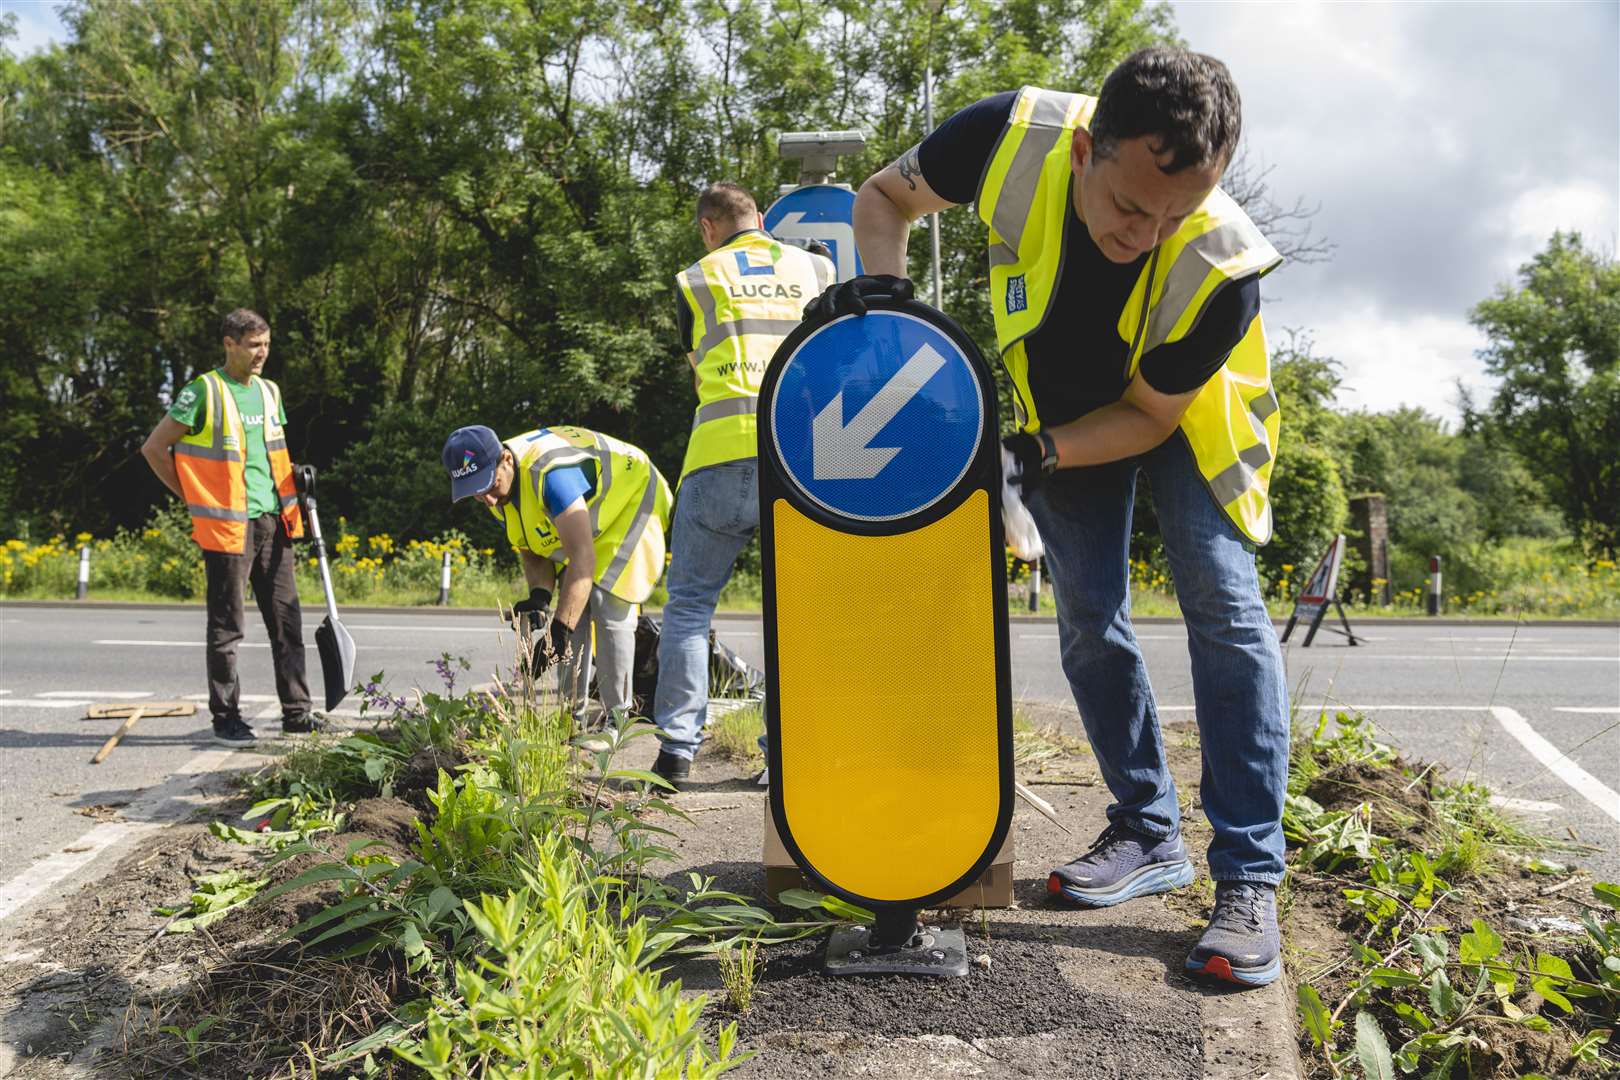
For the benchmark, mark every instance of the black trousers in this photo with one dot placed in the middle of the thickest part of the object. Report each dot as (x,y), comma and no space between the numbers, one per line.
(267,565)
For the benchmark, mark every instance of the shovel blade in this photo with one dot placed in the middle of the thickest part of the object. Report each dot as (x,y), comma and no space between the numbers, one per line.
(337,659)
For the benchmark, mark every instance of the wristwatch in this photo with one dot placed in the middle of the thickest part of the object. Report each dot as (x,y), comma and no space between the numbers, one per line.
(1049,454)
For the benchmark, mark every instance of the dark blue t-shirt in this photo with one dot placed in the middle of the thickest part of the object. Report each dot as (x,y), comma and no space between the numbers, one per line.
(1077,360)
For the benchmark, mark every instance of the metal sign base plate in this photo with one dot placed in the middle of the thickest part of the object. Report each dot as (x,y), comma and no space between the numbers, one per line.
(932,952)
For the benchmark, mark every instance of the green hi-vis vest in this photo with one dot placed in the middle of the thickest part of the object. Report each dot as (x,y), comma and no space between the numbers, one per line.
(1233,423)
(629,506)
(745,296)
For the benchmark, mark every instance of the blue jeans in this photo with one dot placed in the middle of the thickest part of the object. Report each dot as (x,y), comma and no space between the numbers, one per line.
(716,514)
(1241,694)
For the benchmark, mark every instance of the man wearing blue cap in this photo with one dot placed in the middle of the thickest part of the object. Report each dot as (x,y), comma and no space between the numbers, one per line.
(584,507)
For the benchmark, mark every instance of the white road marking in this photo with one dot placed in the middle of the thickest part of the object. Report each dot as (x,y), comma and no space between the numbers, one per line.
(1495,658)
(1590,787)
(35,703)
(5,691)
(308,644)
(1526,806)
(249,699)
(151,811)
(1606,709)
(93,694)
(431,629)
(1520,640)
(1139,637)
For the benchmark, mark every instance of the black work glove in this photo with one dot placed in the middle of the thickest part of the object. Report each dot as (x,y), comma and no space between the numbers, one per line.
(551,648)
(1029,452)
(532,613)
(850,297)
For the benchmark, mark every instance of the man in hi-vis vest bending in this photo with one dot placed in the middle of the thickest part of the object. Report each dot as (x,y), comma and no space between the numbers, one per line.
(585,508)
(1125,292)
(734,306)
(222,448)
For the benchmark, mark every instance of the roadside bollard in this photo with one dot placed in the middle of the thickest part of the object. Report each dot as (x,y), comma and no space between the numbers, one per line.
(444,581)
(84,571)
(1035,585)
(1434,585)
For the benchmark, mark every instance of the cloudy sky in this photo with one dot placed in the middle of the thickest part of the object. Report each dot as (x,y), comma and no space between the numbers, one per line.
(1444,142)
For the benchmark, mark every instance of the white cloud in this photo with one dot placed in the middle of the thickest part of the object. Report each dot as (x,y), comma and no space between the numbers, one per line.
(1444,142)
(1390,360)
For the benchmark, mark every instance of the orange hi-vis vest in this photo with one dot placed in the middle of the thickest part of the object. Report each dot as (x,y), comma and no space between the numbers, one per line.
(213,470)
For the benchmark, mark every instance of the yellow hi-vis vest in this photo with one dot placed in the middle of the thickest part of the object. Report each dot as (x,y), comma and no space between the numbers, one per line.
(629,506)
(1233,423)
(745,296)
(212,466)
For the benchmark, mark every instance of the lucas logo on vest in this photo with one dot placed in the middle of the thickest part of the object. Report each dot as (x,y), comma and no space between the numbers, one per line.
(1017,300)
(767,291)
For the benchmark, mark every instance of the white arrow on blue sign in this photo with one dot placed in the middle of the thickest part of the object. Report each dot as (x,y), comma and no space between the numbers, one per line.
(822,212)
(877,417)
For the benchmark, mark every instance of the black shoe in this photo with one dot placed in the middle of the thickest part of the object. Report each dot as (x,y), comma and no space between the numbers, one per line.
(673,768)
(308,724)
(233,732)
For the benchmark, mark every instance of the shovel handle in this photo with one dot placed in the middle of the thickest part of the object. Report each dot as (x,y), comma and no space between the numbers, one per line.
(112,740)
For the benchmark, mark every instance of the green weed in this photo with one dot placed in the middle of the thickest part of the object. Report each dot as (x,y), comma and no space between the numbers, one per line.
(739,971)
(734,734)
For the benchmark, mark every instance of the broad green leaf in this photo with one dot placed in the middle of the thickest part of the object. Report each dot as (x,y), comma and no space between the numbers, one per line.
(1548,964)
(1388,976)
(1432,948)
(1443,998)
(1372,1049)
(1481,945)
(1413,1016)
(1608,893)
(1314,1015)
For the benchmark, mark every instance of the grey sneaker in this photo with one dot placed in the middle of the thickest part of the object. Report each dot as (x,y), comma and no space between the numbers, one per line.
(1122,864)
(233,732)
(307,724)
(1241,944)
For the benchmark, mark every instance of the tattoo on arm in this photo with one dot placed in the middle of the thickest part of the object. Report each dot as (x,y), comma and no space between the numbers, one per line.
(910,166)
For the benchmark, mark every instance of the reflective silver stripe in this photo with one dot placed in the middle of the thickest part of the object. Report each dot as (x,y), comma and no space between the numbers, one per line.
(1231,482)
(632,538)
(288,500)
(705,299)
(1201,255)
(604,481)
(1002,255)
(1018,187)
(209,453)
(1264,405)
(716,410)
(275,444)
(738,327)
(217,513)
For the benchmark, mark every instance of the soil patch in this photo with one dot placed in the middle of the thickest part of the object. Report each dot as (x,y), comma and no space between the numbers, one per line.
(389,822)
(1399,794)
(1021,993)
(420,774)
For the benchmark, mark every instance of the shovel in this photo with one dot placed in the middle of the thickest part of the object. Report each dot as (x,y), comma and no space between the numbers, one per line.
(332,641)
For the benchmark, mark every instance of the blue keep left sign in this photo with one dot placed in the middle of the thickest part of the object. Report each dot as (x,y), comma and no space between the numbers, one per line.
(877,417)
(822,212)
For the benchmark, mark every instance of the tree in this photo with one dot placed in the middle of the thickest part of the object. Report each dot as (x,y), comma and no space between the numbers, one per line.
(1555,349)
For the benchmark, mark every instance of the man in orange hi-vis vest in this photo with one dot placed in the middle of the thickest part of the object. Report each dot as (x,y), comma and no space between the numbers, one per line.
(222,447)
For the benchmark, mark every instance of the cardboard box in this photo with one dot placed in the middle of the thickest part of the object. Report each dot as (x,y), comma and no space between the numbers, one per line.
(992,890)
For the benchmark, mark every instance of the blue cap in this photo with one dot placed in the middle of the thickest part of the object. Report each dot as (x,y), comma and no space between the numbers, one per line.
(470,457)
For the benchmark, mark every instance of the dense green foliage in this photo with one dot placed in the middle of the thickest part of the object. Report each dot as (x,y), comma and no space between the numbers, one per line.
(458,211)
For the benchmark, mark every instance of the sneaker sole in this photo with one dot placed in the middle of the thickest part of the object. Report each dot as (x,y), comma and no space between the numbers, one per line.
(1218,967)
(1146,881)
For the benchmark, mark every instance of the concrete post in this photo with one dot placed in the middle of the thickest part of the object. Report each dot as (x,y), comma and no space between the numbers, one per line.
(1035,586)
(1434,585)
(1369,517)
(444,581)
(84,571)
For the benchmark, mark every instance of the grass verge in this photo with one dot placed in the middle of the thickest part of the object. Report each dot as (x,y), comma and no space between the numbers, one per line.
(463,891)
(1429,934)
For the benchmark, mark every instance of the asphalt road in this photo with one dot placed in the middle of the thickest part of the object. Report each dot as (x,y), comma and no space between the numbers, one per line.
(1484,701)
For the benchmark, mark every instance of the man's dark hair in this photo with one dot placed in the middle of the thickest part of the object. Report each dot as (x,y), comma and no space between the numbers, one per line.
(242,322)
(726,202)
(1185,102)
